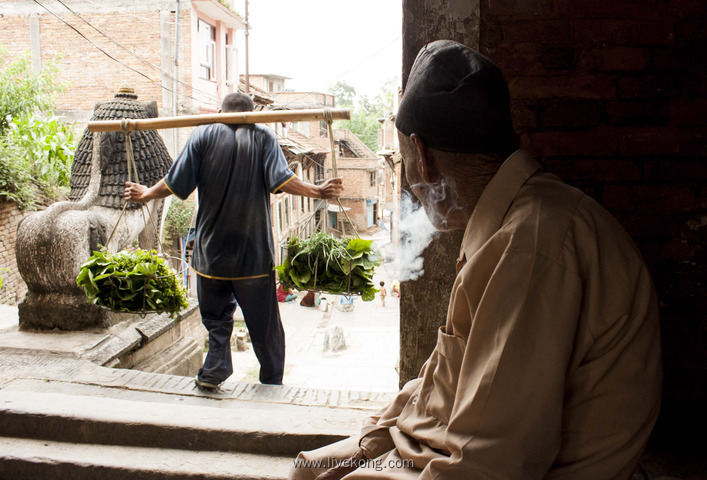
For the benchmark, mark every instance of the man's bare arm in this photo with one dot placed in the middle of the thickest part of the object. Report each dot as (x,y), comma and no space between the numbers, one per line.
(330,189)
(134,192)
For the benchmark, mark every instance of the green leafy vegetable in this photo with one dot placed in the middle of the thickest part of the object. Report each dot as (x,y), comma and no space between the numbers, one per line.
(325,263)
(132,282)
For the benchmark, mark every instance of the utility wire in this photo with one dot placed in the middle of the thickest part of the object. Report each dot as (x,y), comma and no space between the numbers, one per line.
(144,61)
(106,53)
(185,24)
(169,76)
(366,59)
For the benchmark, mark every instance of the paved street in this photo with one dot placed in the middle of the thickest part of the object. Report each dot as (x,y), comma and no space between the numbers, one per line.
(371,332)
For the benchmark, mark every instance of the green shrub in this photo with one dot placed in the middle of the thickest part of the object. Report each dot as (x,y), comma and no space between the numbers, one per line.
(134,282)
(45,149)
(178,219)
(35,150)
(333,265)
(23,92)
(15,178)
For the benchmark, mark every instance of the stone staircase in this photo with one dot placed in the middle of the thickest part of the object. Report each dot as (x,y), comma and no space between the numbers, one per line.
(68,418)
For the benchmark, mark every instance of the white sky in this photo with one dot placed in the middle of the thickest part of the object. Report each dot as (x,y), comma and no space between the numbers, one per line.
(319,42)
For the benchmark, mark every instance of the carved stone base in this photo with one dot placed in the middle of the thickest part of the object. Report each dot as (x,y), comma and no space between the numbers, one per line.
(49,311)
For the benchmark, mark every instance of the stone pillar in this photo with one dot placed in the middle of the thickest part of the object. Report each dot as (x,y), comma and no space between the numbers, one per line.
(423,306)
(168,82)
(35,41)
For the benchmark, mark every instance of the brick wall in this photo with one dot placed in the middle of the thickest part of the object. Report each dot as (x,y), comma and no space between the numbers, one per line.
(611,96)
(13,287)
(93,76)
(14,34)
(355,174)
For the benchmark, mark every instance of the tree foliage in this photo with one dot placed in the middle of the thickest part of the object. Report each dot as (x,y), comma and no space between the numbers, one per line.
(36,148)
(366,110)
(178,219)
(22,92)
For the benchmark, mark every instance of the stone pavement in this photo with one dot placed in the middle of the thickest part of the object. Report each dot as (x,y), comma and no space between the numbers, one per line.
(371,332)
(369,361)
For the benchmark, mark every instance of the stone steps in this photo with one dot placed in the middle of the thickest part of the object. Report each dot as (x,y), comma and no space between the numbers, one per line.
(250,428)
(29,459)
(67,418)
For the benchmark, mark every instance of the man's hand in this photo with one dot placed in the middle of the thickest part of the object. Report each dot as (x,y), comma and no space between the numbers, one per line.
(347,466)
(134,192)
(331,188)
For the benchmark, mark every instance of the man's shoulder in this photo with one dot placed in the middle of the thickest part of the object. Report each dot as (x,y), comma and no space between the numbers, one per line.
(263,131)
(558,221)
(211,130)
(547,200)
(540,216)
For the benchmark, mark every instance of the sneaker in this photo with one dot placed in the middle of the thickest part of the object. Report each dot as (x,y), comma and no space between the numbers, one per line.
(206,385)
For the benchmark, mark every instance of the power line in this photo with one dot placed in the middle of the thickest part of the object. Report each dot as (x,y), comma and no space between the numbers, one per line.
(101,50)
(144,61)
(366,59)
(142,19)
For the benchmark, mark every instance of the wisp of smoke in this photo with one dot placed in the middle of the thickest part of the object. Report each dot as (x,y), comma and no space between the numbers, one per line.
(416,232)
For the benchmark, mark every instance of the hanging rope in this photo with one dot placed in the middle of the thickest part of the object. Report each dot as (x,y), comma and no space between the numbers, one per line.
(132,168)
(330,120)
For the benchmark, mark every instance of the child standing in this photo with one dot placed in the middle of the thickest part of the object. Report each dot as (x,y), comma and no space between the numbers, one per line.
(383,293)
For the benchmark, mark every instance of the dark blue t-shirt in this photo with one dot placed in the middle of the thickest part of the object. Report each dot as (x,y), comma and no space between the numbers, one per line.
(235,168)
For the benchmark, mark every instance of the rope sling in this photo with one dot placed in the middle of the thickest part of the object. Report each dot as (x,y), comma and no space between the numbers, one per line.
(116,278)
(329,121)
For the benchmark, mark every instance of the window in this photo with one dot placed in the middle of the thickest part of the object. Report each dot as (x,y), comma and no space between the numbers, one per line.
(207,46)
(318,173)
(287,212)
(322,129)
(373,178)
(279,211)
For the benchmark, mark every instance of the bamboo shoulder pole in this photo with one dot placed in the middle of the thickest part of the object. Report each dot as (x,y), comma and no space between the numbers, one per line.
(270,116)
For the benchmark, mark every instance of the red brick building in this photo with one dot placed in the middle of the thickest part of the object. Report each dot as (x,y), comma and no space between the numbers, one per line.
(362,170)
(104,45)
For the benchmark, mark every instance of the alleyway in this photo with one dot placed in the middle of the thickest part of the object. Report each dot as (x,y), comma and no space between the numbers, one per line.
(370,359)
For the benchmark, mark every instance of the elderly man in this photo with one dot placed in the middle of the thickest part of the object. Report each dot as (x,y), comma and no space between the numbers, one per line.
(548,364)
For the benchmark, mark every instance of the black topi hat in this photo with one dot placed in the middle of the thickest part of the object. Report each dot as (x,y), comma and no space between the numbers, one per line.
(456,100)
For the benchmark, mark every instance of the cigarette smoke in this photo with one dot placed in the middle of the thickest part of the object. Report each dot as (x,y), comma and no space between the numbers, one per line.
(416,232)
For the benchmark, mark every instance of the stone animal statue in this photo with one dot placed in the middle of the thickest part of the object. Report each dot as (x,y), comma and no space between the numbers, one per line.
(52,244)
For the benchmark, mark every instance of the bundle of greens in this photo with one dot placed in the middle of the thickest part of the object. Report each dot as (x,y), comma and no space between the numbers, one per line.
(332,265)
(132,282)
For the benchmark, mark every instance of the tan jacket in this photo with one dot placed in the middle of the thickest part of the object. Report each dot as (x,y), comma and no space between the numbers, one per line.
(549,363)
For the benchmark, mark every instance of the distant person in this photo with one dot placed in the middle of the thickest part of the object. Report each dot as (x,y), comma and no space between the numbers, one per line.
(285,295)
(396,288)
(236,168)
(322,303)
(383,293)
(346,302)
(548,364)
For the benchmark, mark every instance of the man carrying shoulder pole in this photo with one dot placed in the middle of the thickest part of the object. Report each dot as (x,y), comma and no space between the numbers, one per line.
(235,168)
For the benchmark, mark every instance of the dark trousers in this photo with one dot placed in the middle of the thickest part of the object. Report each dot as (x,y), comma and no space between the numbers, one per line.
(257,297)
